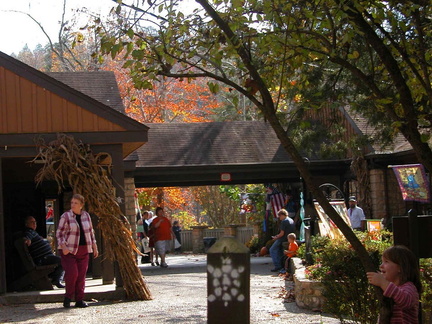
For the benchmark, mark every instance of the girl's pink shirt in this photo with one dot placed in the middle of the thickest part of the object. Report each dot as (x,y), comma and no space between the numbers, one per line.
(406,298)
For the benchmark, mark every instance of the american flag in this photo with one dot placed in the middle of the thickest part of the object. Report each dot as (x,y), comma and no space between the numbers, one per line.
(277,202)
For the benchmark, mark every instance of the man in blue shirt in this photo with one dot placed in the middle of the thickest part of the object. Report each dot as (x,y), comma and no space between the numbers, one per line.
(356,215)
(286,226)
(41,252)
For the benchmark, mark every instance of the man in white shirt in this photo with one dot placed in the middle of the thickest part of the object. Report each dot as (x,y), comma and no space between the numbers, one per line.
(356,215)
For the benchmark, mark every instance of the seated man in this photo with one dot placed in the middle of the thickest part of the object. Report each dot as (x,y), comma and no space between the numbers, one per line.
(41,252)
(286,226)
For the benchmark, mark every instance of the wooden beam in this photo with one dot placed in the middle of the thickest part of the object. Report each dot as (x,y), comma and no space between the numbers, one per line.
(2,238)
(11,140)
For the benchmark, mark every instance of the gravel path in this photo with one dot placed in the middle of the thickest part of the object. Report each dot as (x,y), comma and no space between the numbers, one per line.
(179,296)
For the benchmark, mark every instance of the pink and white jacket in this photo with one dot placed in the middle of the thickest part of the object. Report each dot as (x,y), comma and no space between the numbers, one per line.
(68,232)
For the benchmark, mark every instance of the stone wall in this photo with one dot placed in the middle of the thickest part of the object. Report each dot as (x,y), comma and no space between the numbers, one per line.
(198,238)
(386,196)
(378,193)
(308,293)
(130,201)
(397,207)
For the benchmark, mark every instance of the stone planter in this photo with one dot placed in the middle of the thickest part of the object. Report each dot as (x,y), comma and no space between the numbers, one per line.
(308,293)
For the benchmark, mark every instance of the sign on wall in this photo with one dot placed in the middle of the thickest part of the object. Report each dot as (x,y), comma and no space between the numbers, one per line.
(413,182)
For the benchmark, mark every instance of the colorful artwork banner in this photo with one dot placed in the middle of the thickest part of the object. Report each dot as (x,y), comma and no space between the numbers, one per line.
(413,182)
(326,226)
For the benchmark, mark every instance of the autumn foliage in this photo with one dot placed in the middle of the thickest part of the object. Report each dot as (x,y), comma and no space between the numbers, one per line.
(178,203)
(169,100)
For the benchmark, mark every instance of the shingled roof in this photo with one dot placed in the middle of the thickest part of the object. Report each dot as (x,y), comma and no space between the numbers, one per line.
(361,124)
(211,143)
(100,85)
(219,143)
(184,154)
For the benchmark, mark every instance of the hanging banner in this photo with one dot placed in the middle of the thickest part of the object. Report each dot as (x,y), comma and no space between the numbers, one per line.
(302,216)
(413,182)
(326,226)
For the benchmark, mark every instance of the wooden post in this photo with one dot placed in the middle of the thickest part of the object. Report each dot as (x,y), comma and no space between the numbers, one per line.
(413,232)
(2,238)
(228,282)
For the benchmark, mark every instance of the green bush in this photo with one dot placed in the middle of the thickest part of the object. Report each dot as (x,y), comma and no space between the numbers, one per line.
(348,294)
(254,244)
(318,243)
(426,297)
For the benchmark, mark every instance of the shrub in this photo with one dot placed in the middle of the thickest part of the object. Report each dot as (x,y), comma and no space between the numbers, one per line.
(348,294)
(426,297)
(254,244)
(318,243)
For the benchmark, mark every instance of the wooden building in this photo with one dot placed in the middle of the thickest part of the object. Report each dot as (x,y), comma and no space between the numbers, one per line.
(35,106)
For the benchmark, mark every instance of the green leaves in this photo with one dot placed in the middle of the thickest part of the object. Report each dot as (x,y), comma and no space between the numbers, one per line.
(138,55)
(213,87)
(364,54)
(354,55)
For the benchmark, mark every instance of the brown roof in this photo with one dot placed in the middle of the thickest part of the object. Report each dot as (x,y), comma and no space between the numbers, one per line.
(219,143)
(399,144)
(190,154)
(100,85)
(211,143)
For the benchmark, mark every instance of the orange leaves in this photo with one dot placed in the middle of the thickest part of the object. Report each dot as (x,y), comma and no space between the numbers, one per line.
(170,100)
(173,199)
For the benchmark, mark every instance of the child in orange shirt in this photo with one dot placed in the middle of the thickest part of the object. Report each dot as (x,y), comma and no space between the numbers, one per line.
(291,252)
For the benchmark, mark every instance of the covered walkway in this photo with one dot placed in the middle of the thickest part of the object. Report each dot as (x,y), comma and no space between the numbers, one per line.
(198,154)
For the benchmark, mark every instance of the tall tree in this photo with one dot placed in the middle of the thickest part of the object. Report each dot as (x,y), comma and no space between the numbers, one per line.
(219,208)
(73,47)
(382,47)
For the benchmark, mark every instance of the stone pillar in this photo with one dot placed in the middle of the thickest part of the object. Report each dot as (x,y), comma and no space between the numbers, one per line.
(396,206)
(198,239)
(231,230)
(378,192)
(130,212)
(257,228)
(116,152)
(96,263)
(228,282)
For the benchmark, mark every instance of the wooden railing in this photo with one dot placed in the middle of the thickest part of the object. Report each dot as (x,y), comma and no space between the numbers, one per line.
(244,235)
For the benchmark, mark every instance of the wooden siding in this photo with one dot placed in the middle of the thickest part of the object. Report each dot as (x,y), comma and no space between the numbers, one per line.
(331,117)
(28,108)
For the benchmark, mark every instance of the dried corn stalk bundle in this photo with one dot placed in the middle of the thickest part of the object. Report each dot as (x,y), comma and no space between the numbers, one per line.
(69,162)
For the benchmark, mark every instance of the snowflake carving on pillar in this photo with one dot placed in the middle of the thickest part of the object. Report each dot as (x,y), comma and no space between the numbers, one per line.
(226,282)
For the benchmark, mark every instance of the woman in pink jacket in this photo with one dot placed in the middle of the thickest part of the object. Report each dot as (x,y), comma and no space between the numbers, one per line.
(76,239)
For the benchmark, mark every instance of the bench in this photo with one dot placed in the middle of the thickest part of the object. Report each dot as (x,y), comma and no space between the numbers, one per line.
(34,277)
